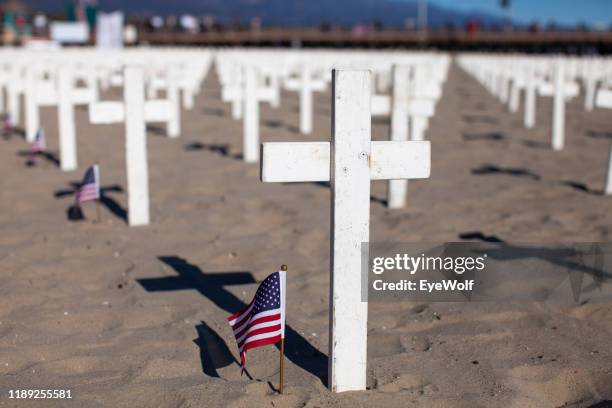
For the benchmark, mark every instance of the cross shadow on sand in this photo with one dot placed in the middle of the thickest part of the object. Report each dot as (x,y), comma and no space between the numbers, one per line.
(50,157)
(564,255)
(110,203)
(15,131)
(581,187)
(593,134)
(156,130)
(535,144)
(222,149)
(214,286)
(491,169)
(492,136)
(479,119)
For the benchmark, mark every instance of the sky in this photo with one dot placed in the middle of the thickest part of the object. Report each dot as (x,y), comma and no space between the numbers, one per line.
(561,11)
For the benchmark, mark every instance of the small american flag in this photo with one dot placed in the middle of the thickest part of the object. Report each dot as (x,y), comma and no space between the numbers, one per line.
(8,122)
(39,144)
(262,322)
(90,187)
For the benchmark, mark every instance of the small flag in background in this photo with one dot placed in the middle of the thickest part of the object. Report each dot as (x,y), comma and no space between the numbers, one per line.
(8,122)
(262,322)
(39,144)
(90,187)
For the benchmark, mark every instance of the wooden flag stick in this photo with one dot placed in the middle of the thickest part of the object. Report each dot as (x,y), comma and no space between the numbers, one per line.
(282,353)
(282,365)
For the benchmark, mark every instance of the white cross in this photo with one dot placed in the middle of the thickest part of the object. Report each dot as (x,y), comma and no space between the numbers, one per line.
(402,105)
(604,100)
(65,110)
(134,111)
(350,161)
(60,92)
(306,85)
(560,90)
(253,94)
(530,98)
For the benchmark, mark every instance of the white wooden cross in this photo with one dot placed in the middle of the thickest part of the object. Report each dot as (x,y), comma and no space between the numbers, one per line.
(16,87)
(560,90)
(407,100)
(349,162)
(135,112)
(530,97)
(65,110)
(253,94)
(604,100)
(306,85)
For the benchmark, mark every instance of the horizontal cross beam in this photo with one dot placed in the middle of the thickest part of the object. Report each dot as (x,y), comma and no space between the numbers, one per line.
(310,161)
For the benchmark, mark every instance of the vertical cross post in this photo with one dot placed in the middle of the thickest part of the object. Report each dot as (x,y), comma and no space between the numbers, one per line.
(350,201)
(305,101)
(558,126)
(251,116)
(14,89)
(174,122)
(349,162)
(515,95)
(604,100)
(32,118)
(530,98)
(399,130)
(67,134)
(136,147)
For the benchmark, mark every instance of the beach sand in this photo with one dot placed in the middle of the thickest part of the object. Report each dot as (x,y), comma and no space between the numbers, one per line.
(136,317)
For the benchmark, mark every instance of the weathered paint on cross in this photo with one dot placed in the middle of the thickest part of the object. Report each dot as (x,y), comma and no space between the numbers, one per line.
(350,161)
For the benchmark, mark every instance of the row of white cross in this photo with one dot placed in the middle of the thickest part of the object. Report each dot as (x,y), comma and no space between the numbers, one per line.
(556,77)
(406,89)
(69,78)
(403,86)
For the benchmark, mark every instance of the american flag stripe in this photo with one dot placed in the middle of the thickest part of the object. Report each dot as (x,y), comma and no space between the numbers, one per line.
(238,331)
(90,186)
(262,333)
(38,145)
(260,327)
(238,327)
(262,340)
(261,322)
(237,317)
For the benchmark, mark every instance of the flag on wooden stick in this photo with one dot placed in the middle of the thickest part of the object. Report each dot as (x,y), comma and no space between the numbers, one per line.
(39,144)
(8,122)
(90,187)
(261,322)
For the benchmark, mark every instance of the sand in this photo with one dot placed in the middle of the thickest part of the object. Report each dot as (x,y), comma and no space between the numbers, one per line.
(136,317)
